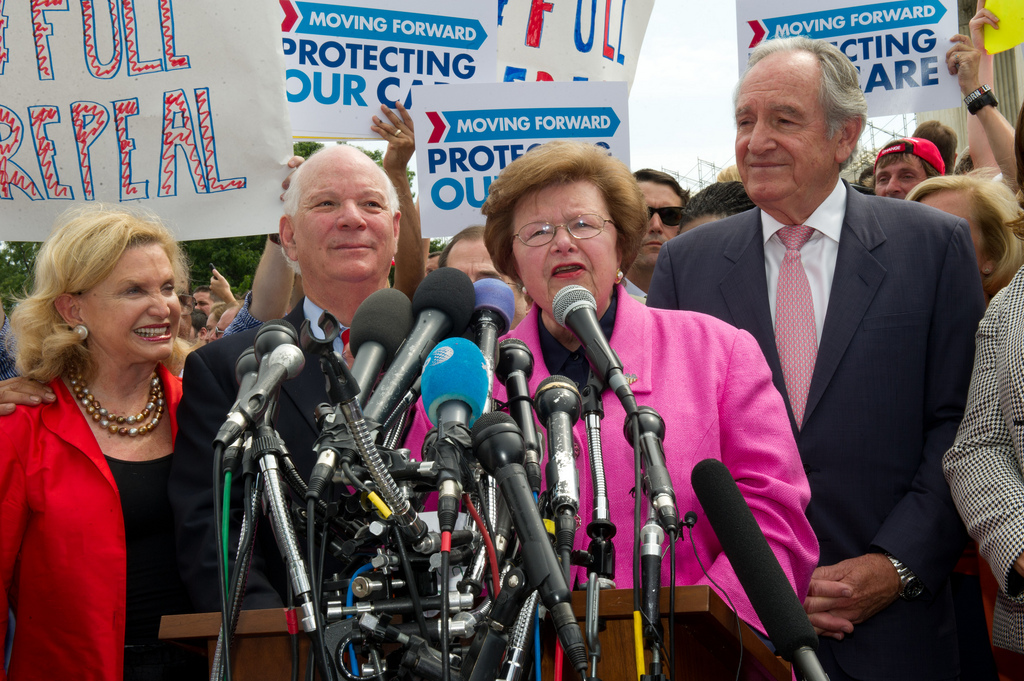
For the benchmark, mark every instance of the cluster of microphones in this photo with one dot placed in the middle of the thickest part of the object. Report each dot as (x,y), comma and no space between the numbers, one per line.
(442,350)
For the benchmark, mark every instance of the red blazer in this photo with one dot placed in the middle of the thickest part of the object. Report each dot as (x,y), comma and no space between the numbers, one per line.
(62,543)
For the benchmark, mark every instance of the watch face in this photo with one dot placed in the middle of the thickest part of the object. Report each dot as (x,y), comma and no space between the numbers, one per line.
(913,589)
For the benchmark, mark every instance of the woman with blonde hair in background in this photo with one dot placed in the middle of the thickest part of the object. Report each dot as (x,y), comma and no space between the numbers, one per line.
(988,207)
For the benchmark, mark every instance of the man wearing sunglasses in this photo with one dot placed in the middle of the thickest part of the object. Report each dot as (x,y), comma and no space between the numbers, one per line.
(665,202)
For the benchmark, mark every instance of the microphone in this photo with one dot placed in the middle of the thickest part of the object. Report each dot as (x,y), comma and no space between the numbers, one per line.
(495,308)
(657,481)
(559,404)
(757,568)
(514,369)
(246,370)
(574,308)
(284,362)
(442,304)
(454,384)
(454,388)
(498,445)
(379,327)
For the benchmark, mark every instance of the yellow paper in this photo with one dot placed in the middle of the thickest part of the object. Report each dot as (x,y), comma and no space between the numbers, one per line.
(1011,26)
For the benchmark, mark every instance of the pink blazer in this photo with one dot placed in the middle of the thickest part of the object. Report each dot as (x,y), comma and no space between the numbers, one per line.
(712,386)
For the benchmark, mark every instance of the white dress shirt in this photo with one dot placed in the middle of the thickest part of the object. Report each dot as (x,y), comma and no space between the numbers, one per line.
(818,255)
(312,312)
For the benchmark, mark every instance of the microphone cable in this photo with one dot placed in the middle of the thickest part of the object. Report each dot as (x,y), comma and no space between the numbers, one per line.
(222,574)
(492,557)
(638,634)
(446,552)
(690,520)
(410,580)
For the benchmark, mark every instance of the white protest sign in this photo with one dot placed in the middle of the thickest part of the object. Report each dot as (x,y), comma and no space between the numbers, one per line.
(179,109)
(465,135)
(558,40)
(898,47)
(345,60)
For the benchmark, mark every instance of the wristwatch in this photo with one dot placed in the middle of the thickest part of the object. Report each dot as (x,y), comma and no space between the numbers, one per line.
(979,99)
(910,585)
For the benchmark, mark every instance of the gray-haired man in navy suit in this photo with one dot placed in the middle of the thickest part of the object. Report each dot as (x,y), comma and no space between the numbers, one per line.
(868,324)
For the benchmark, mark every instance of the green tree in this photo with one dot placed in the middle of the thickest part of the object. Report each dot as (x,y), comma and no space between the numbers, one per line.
(235,257)
(17,260)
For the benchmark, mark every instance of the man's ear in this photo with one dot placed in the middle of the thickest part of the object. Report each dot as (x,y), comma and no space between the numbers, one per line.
(68,309)
(286,230)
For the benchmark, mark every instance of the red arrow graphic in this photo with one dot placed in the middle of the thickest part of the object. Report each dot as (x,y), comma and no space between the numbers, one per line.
(758,28)
(291,16)
(439,127)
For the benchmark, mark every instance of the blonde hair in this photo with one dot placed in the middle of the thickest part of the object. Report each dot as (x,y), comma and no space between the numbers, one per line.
(82,250)
(558,163)
(992,208)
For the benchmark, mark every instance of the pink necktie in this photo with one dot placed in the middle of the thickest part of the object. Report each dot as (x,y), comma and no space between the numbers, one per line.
(795,334)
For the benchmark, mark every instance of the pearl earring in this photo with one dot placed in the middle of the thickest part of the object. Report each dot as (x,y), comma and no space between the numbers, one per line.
(619,276)
(82,332)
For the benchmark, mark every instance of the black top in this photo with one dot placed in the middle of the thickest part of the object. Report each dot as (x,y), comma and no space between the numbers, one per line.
(560,361)
(154,587)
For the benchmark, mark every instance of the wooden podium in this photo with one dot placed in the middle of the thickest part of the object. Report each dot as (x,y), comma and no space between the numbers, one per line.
(707,646)
(707,643)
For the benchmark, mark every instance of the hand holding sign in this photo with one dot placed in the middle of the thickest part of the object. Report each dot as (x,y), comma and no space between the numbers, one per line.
(400,135)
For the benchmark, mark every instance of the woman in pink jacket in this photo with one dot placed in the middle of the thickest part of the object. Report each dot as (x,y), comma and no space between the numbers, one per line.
(567,213)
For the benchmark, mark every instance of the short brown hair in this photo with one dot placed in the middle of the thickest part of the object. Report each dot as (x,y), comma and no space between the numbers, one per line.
(557,163)
(993,209)
(661,177)
(944,139)
(474,233)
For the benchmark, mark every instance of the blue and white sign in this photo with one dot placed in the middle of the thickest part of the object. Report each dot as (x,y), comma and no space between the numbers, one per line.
(466,134)
(898,47)
(346,59)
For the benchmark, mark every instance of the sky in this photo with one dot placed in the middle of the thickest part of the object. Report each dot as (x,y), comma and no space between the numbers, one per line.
(680,107)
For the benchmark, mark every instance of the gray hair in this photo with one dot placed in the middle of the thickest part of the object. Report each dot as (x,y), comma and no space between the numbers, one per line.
(839,92)
(294,191)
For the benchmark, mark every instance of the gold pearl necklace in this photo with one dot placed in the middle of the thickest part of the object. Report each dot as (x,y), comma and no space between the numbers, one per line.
(117,424)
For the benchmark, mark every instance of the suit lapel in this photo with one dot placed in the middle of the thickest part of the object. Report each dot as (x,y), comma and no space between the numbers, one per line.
(308,388)
(745,290)
(858,275)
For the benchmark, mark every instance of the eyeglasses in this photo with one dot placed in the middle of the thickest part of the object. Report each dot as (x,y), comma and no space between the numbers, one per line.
(187,302)
(585,226)
(670,215)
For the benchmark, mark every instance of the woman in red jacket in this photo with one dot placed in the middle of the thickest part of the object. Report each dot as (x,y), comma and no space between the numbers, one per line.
(86,536)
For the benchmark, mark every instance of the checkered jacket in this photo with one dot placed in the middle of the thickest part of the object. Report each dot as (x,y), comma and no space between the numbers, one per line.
(985,466)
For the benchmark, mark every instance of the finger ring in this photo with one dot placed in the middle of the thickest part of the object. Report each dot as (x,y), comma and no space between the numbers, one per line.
(397,133)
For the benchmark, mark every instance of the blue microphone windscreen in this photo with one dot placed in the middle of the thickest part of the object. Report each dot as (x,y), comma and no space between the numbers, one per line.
(385,317)
(450,291)
(495,295)
(455,370)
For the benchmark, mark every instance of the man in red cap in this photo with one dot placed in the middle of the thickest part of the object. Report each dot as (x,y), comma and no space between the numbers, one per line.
(905,163)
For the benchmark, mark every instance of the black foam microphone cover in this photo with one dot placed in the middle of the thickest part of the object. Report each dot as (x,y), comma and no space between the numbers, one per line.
(757,568)
(450,291)
(385,317)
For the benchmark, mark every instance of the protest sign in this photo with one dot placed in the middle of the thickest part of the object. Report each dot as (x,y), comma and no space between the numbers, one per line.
(179,109)
(898,46)
(345,60)
(560,41)
(465,135)
(1011,26)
